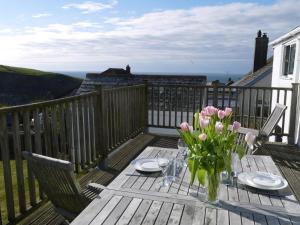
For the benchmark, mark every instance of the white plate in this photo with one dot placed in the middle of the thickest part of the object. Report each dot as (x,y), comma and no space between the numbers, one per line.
(150,165)
(262,180)
(266,179)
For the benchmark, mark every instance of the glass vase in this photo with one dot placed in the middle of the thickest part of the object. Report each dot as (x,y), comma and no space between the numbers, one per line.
(213,187)
(234,164)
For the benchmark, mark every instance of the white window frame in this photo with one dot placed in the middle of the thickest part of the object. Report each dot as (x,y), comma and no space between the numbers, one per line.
(289,75)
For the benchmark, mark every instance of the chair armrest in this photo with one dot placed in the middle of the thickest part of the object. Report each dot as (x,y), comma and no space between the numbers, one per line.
(244,130)
(96,186)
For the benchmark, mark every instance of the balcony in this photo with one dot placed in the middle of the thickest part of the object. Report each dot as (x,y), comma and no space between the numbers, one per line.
(92,129)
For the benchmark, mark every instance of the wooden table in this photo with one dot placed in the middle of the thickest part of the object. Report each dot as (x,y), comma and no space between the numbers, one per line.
(138,199)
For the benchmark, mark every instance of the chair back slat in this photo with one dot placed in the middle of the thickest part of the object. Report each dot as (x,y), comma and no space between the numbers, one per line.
(272,120)
(57,180)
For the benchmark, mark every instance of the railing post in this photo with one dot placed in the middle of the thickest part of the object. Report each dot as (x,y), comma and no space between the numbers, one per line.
(294,112)
(215,93)
(146,107)
(100,126)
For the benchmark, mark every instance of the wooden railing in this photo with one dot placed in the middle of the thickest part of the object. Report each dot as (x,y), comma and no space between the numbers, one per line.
(81,129)
(85,129)
(169,105)
(124,110)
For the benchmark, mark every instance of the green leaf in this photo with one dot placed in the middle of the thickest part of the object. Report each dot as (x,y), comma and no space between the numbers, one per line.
(201,176)
(196,121)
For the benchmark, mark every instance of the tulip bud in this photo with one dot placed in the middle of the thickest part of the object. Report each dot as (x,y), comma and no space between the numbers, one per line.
(221,114)
(203,122)
(184,126)
(228,111)
(203,137)
(250,138)
(219,127)
(210,110)
(236,126)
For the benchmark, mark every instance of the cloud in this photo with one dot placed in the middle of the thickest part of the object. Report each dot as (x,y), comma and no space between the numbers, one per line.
(216,38)
(41,15)
(91,7)
(6,31)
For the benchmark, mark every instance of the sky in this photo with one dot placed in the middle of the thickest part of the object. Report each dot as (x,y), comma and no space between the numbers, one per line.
(170,36)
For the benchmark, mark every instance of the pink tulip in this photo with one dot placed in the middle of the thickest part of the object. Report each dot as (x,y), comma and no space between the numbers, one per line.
(203,122)
(228,111)
(184,126)
(203,113)
(236,126)
(219,126)
(210,110)
(221,114)
(250,138)
(203,137)
(216,110)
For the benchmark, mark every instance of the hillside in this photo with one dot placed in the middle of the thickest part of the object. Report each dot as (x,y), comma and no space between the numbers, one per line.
(22,85)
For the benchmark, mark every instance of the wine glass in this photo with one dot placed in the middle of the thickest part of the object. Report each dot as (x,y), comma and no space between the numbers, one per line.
(182,147)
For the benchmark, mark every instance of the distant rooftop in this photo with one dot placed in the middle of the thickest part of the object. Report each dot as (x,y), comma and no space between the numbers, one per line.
(119,76)
(251,78)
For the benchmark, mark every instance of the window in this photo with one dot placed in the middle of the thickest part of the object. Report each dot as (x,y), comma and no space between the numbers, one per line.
(289,59)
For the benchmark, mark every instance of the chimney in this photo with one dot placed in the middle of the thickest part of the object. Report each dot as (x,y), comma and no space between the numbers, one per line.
(261,51)
(128,69)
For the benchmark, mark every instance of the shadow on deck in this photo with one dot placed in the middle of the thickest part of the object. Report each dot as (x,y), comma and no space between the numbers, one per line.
(286,157)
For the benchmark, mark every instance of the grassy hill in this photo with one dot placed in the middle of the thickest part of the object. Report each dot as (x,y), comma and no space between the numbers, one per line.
(22,85)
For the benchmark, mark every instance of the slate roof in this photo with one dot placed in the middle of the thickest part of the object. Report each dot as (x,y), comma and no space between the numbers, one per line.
(115,72)
(252,78)
(115,76)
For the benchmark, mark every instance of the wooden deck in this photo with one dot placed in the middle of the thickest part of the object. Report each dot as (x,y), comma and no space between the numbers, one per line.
(287,158)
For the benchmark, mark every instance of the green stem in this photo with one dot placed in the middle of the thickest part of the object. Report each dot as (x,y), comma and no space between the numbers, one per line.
(213,185)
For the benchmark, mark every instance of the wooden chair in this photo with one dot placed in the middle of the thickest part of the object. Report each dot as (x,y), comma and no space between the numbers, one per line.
(57,180)
(264,133)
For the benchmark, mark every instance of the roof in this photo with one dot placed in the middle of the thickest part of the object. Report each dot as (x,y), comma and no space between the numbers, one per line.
(251,78)
(115,72)
(286,36)
(93,79)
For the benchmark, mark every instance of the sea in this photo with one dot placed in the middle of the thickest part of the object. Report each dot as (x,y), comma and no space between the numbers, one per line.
(222,77)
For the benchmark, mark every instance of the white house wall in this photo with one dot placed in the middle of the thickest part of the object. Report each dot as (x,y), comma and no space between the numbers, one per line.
(278,80)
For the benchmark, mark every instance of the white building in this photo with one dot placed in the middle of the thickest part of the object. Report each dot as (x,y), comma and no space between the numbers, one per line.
(286,68)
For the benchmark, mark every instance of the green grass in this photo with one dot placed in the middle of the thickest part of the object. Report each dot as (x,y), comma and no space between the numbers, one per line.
(15,189)
(24,71)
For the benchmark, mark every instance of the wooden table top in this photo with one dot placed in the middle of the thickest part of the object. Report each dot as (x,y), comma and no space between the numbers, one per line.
(138,199)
